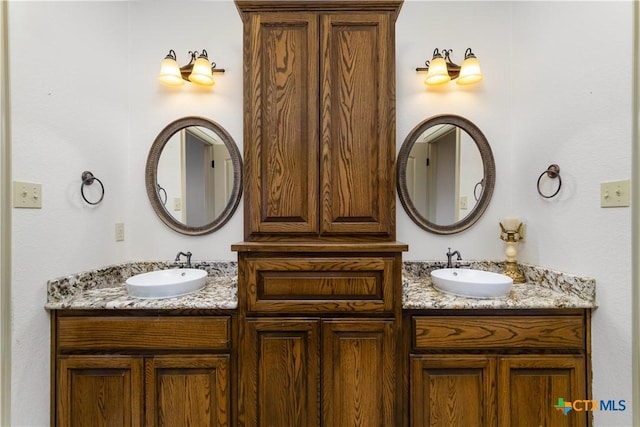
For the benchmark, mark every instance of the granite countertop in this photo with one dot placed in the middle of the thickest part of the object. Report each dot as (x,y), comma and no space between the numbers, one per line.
(105,289)
(544,289)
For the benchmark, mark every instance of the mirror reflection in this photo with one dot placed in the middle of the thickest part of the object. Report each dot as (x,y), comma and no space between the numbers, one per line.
(444,170)
(194,176)
(446,174)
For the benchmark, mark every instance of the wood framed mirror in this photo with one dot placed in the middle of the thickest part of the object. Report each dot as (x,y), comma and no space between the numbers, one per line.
(194,176)
(445,174)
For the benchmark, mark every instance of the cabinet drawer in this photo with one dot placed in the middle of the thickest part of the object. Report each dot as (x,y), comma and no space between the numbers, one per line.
(468,332)
(356,284)
(143,333)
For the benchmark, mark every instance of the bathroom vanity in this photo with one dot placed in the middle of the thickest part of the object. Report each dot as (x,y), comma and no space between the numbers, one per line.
(451,360)
(320,323)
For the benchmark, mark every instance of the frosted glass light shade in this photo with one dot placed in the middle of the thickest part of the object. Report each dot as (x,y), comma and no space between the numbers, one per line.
(170,73)
(437,73)
(201,73)
(469,72)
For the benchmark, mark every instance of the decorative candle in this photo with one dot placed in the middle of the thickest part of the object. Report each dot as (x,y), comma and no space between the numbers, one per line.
(511,223)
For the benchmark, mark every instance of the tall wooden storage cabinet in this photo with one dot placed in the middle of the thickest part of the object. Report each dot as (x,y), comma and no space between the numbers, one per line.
(319,134)
(319,285)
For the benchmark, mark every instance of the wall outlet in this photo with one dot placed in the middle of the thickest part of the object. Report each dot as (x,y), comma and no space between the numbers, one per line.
(463,202)
(119,231)
(614,194)
(27,195)
(177,204)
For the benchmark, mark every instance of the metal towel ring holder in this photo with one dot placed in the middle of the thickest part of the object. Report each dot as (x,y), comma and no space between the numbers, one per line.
(87,179)
(553,171)
(475,189)
(162,191)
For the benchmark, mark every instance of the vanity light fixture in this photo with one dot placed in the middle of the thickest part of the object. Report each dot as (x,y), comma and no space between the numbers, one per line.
(441,69)
(199,70)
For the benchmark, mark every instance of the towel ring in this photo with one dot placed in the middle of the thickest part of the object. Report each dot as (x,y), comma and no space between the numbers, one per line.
(553,171)
(87,179)
(475,189)
(162,191)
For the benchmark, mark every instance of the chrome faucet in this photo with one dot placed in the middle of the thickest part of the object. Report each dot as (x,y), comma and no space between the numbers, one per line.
(450,255)
(187,255)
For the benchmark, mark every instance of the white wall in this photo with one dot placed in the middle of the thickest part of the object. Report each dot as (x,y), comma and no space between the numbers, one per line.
(572,100)
(68,118)
(486,28)
(69,107)
(215,26)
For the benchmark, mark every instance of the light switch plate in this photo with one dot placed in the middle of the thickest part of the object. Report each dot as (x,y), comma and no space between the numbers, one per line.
(463,202)
(614,194)
(27,195)
(119,231)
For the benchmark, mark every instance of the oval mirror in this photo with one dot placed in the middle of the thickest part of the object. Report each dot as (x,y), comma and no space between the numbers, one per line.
(194,176)
(445,174)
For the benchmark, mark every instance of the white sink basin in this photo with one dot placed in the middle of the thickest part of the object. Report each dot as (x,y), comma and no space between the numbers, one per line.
(166,283)
(471,283)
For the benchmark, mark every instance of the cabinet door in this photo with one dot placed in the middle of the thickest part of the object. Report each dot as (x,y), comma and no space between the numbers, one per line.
(188,390)
(100,391)
(281,124)
(279,373)
(530,386)
(359,373)
(452,390)
(358,116)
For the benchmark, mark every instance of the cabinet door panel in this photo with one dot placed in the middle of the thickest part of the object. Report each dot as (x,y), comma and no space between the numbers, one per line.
(188,390)
(279,373)
(357,136)
(359,373)
(530,386)
(452,390)
(100,391)
(281,124)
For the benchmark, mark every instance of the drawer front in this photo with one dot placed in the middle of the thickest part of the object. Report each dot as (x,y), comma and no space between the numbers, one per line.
(312,285)
(79,333)
(485,332)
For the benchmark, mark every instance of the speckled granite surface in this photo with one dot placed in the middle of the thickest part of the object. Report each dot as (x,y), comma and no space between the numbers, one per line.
(544,289)
(104,289)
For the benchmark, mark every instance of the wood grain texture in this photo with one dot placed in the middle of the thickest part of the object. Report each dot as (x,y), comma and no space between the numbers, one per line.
(357,142)
(319,144)
(457,332)
(100,391)
(143,333)
(530,386)
(188,390)
(319,284)
(246,6)
(453,390)
(281,145)
(359,373)
(279,373)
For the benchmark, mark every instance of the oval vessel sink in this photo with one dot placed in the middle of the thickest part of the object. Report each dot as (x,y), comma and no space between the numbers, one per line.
(166,283)
(471,283)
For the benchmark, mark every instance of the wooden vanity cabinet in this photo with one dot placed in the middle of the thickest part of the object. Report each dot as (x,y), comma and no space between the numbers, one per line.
(141,369)
(319,132)
(497,369)
(319,283)
(319,334)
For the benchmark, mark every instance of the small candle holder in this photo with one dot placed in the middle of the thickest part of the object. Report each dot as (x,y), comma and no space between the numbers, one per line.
(511,232)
